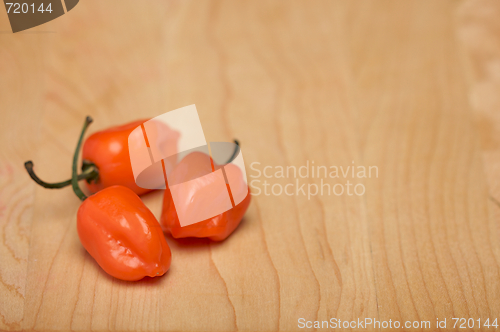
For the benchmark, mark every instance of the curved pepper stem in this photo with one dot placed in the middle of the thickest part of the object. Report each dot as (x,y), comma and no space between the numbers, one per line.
(90,173)
(235,152)
(74,177)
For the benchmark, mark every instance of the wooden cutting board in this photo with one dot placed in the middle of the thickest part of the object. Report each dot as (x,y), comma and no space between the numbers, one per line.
(410,87)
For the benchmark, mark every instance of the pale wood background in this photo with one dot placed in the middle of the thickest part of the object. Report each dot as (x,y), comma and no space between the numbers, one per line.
(412,87)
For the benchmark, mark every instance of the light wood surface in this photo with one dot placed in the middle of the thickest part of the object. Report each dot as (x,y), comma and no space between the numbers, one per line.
(412,87)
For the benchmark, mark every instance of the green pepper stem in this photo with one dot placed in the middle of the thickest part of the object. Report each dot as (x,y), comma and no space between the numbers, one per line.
(90,173)
(74,177)
(235,152)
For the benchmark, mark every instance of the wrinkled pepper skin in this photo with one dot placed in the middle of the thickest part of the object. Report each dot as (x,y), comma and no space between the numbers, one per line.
(108,150)
(217,228)
(123,235)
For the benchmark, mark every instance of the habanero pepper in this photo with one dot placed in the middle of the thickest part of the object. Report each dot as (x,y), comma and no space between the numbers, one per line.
(218,227)
(119,231)
(107,150)
(106,160)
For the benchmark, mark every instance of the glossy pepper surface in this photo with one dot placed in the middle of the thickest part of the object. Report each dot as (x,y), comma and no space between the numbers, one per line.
(108,151)
(122,234)
(216,228)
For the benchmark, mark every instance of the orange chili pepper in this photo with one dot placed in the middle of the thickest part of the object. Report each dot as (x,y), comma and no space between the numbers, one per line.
(216,228)
(105,161)
(122,234)
(119,231)
(107,150)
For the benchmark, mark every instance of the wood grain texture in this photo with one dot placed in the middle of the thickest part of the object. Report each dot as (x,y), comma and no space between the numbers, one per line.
(385,84)
(478,30)
(21,94)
